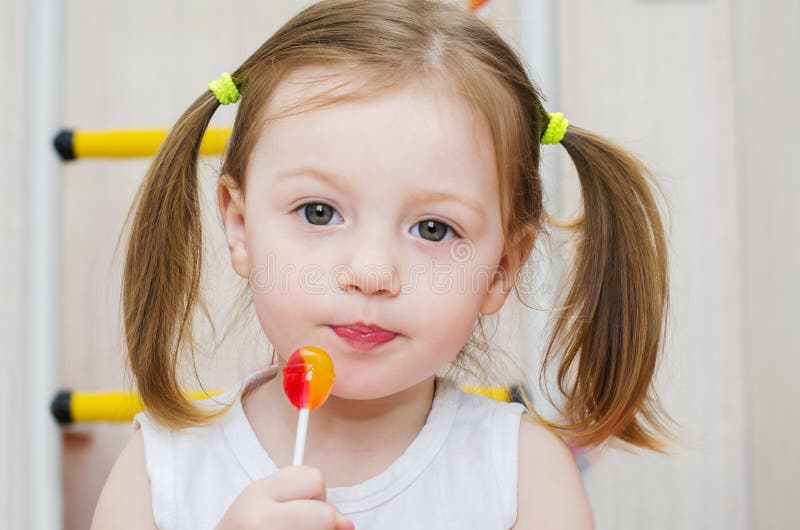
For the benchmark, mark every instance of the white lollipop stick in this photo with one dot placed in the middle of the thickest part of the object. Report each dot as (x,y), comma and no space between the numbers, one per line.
(300,440)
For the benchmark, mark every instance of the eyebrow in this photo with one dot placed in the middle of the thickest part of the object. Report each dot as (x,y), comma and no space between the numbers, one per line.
(436,196)
(334,180)
(425,196)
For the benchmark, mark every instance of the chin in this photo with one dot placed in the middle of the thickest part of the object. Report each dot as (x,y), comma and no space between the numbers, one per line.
(359,391)
(349,386)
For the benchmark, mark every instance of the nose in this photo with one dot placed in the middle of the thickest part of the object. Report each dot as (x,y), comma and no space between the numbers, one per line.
(371,269)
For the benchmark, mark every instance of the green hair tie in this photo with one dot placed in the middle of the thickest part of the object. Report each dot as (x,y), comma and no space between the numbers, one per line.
(556,129)
(225,89)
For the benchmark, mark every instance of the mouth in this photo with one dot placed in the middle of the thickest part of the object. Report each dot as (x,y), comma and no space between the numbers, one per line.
(363,337)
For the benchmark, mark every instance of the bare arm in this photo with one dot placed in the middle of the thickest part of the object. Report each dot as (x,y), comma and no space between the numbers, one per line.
(550,491)
(124,503)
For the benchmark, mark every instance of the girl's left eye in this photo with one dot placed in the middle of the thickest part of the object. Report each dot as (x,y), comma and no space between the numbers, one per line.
(434,231)
(317,213)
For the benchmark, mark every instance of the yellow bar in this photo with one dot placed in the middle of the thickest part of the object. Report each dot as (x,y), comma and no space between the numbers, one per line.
(114,406)
(123,406)
(137,143)
(497,394)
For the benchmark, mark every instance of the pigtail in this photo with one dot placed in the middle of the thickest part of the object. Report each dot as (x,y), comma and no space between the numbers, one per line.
(161,277)
(610,330)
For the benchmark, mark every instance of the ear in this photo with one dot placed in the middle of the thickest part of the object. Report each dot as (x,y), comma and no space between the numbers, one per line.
(499,288)
(231,208)
(502,282)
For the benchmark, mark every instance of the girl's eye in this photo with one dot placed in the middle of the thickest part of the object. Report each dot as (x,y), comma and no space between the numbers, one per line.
(434,230)
(317,213)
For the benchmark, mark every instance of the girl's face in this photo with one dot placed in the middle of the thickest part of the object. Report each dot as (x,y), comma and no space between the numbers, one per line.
(383,211)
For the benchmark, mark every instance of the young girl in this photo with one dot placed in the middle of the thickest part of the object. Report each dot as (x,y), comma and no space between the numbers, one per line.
(383,150)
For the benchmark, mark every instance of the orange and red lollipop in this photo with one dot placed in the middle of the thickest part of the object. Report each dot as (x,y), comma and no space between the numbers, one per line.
(307,381)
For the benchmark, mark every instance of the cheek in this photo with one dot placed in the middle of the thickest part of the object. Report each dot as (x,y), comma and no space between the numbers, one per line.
(274,287)
(275,309)
(447,301)
(461,285)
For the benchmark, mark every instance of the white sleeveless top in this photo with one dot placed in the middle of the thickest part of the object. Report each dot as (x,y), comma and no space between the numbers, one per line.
(459,472)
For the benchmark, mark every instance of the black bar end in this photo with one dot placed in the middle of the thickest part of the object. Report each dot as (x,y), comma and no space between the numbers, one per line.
(60,407)
(63,144)
(518,394)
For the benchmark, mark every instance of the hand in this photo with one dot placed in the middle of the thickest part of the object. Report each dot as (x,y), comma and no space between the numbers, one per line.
(291,498)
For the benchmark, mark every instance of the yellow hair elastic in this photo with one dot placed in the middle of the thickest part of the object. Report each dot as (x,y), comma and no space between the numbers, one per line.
(556,129)
(225,89)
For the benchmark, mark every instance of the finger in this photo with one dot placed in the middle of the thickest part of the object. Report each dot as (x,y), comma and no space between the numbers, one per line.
(312,515)
(343,523)
(293,483)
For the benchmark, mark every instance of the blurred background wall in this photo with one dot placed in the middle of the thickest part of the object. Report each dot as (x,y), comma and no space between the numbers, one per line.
(704,91)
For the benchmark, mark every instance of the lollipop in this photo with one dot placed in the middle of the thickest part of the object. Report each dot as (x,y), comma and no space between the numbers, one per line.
(307,380)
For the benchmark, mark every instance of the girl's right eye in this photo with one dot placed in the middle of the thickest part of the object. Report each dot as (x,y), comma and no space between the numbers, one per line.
(317,213)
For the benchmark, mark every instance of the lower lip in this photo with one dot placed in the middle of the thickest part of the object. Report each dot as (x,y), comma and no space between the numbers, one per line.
(364,341)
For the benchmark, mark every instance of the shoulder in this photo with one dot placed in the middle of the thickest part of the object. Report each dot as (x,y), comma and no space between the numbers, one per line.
(550,492)
(124,502)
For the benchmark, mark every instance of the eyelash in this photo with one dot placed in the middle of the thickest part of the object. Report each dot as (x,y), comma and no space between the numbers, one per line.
(302,207)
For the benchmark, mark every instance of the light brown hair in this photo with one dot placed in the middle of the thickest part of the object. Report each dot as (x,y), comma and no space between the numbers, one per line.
(607,336)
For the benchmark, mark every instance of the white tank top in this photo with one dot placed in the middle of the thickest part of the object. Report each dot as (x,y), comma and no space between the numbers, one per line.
(459,472)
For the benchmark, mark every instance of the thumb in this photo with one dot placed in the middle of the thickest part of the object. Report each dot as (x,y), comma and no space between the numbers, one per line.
(343,523)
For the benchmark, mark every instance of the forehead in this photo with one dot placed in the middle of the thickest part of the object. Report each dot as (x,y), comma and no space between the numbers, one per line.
(417,133)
